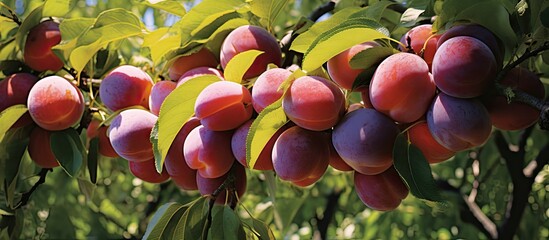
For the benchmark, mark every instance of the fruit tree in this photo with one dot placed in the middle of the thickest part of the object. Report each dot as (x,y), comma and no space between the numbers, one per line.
(274,119)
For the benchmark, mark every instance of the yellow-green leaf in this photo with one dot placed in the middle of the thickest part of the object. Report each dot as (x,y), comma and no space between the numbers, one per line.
(239,64)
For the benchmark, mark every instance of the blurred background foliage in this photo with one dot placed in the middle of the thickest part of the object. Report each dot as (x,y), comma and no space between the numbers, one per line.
(119,205)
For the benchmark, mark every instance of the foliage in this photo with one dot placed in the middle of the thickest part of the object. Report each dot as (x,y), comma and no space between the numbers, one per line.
(97,197)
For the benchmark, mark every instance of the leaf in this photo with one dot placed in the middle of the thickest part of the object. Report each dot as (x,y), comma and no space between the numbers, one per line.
(225,224)
(263,128)
(30,21)
(57,8)
(340,38)
(268,10)
(111,25)
(93,151)
(239,64)
(70,29)
(192,223)
(304,40)
(160,42)
(160,220)
(68,150)
(410,17)
(170,6)
(9,116)
(262,230)
(200,12)
(373,11)
(370,57)
(414,169)
(12,149)
(178,103)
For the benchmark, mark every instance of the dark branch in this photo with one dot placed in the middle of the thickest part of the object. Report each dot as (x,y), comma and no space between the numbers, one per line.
(331,206)
(321,10)
(26,196)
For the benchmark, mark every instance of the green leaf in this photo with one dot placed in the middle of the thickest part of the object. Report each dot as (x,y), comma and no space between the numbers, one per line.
(111,25)
(93,151)
(70,29)
(178,103)
(156,229)
(225,225)
(57,8)
(5,213)
(340,38)
(239,64)
(192,223)
(30,21)
(160,42)
(201,12)
(12,149)
(68,150)
(171,6)
(9,116)
(415,170)
(374,11)
(16,230)
(410,17)
(263,231)
(268,10)
(370,57)
(263,128)
(304,40)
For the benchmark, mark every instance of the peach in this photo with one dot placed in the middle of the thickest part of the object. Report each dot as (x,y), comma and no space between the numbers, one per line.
(209,152)
(250,37)
(176,166)
(223,106)
(339,68)
(299,154)
(402,88)
(515,115)
(364,139)
(146,171)
(105,147)
(37,52)
(207,186)
(199,71)
(40,150)
(418,35)
(202,58)
(458,123)
(14,89)
(125,86)
(314,103)
(421,137)
(130,132)
(55,104)
(159,92)
(265,90)
(382,192)
(464,67)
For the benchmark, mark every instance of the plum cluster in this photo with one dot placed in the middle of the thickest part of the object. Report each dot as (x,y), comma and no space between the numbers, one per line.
(436,90)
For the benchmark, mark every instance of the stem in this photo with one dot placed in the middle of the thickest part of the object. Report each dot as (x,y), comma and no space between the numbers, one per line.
(228,184)
(26,196)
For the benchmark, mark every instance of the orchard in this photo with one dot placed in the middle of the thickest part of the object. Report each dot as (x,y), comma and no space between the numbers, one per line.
(256,119)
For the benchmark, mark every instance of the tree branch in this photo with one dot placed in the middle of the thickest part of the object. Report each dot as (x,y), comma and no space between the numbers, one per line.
(26,196)
(323,222)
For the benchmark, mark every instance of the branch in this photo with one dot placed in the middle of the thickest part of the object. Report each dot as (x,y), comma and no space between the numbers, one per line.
(513,160)
(26,196)
(331,205)
(521,192)
(321,10)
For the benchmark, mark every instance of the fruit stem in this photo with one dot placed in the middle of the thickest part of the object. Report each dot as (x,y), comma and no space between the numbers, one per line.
(26,196)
